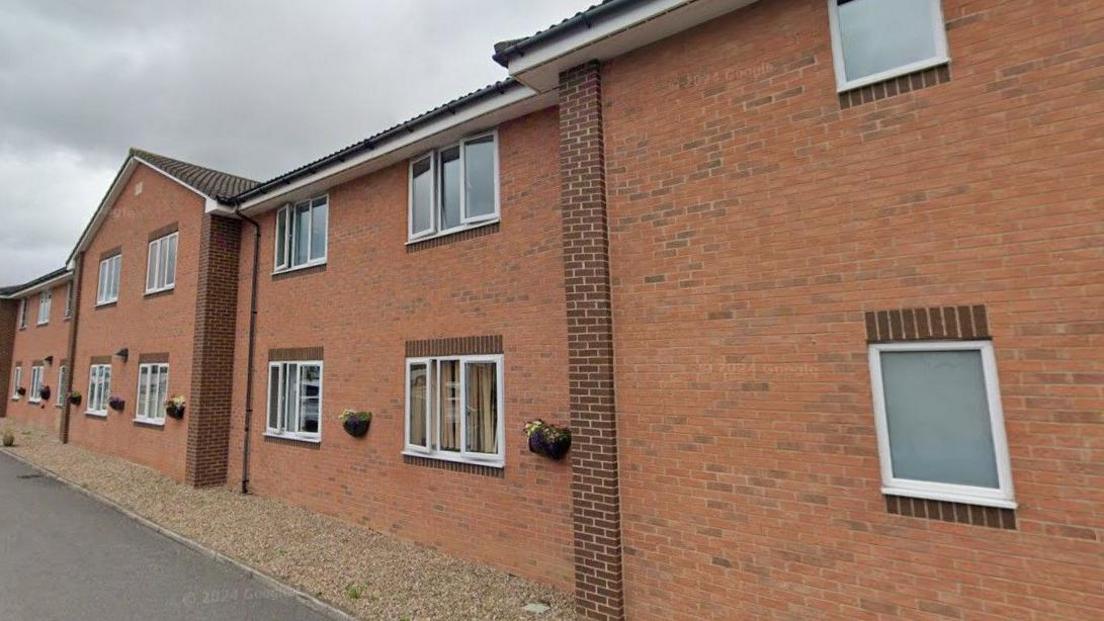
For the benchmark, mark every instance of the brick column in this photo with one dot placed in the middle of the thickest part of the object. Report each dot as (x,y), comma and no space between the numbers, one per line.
(71,348)
(8,311)
(596,513)
(208,413)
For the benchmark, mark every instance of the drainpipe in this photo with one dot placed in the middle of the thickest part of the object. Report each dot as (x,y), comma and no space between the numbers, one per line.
(252,347)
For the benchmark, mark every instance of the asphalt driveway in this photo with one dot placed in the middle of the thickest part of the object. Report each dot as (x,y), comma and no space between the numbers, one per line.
(65,556)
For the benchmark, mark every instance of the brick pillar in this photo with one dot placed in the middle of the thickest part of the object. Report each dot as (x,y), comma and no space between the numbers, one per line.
(71,348)
(8,311)
(596,513)
(208,412)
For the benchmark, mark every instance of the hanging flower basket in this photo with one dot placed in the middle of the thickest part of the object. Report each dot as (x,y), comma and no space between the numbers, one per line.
(549,440)
(174,407)
(75,398)
(44,393)
(116,403)
(356,424)
(21,391)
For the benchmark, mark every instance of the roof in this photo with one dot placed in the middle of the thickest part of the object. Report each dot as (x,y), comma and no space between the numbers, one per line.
(582,20)
(10,290)
(373,141)
(213,183)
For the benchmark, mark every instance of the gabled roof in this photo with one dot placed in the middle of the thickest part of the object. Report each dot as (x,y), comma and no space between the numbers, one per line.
(210,182)
(579,21)
(27,287)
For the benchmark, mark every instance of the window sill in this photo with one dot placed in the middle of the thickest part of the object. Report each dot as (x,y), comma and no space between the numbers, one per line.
(317,266)
(961,498)
(15,398)
(453,231)
(293,438)
(110,304)
(489,463)
(149,422)
(95,414)
(34,401)
(44,323)
(158,292)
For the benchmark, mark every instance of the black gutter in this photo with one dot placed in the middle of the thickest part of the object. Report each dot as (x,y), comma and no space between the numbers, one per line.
(14,289)
(580,21)
(252,337)
(448,109)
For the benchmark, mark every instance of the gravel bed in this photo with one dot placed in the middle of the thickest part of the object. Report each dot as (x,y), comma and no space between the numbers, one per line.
(366,573)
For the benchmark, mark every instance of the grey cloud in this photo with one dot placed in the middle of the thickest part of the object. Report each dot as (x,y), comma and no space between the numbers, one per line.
(254,88)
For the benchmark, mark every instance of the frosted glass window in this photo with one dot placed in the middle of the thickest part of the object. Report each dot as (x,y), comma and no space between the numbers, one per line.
(879,39)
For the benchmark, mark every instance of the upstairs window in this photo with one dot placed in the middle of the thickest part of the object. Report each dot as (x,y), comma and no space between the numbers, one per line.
(34,395)
(454,188)
(454,408)
(875,40)
(17,381)
(301,234)
(161,264)
(69,300)
(939,422)
(295,400)
(99,388)
(107,291)
(153,390)
(22,313)
(45,300)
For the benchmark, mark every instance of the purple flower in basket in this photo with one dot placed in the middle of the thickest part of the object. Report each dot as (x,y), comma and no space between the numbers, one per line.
(548,440)
(116,403)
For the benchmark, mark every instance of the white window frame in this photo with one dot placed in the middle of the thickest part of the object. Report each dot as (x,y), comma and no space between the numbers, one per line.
(22,313)
(36,384)
(280,431)
(107,286)
(843,84)
(164,275)
(17,381)
(62,388)
(69,300)
(284,261)
(466,221)
(1004,495)
(45,303)
(432,363)
(99,392)
(155,409)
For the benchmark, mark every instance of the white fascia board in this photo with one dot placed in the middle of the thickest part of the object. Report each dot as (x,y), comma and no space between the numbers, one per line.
(42,286)
(641,25)
(487,114)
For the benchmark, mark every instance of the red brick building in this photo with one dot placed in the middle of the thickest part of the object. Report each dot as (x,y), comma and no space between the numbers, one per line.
(822,308)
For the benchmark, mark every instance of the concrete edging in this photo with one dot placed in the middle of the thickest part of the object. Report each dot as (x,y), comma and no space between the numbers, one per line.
(268,580)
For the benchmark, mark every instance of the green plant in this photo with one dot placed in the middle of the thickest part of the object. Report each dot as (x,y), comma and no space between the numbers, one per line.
(9,438)
(349,414)
(353,591)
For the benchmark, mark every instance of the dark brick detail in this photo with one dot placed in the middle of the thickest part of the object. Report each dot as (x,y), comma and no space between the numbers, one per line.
(302,271)
(9,311)
(295,353)
(596,519)
(168,229)
(895,86)
(442,464)
(161,357)
(272,439)
(452,238)
(38,363)
(457,346)
(938,323)
(962,513)
(107,254)
(209,406)
(99,360)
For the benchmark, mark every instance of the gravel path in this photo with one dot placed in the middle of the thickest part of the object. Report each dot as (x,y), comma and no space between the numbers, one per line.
(368,574)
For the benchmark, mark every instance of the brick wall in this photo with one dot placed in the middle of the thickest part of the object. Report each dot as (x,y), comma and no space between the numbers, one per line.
(215,336)
(38,343)
(371,299)
(753,223)
(594,489)
(160,323)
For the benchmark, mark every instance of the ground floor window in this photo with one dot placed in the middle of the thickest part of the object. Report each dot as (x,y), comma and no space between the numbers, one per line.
(454,408)
(939,421)
(99,388)
(153,389)
(62,385)
(35,395)
(295,399)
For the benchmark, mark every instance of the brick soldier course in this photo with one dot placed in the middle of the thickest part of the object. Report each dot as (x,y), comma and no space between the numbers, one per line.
(702,241)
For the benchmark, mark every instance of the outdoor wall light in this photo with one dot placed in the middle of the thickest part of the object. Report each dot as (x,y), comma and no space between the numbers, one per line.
(123,353)
(49,360)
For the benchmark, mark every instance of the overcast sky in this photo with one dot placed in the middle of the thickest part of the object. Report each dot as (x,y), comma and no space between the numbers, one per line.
(253,87)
